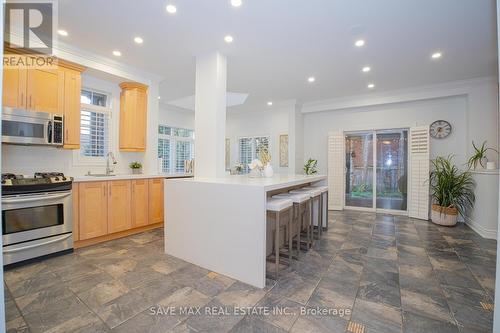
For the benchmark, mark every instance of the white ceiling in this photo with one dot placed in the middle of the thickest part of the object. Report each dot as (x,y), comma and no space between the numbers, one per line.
(278,44)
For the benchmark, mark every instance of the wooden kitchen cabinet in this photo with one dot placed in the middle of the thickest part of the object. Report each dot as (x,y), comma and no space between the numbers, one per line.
(133,116)
(72,118)
(14,88)
(45,90)
(93,209)
(140,204)
(119,208)
(156,200)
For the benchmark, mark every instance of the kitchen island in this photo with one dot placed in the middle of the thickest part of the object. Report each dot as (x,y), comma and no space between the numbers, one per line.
(220,223)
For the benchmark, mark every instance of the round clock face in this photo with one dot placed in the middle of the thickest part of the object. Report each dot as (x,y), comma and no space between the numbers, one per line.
(440,129)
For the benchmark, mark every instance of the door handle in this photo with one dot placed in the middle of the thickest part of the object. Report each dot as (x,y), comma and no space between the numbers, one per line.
(38,245)
(35,198)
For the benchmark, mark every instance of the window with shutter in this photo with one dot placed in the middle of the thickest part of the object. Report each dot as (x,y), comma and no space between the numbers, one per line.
(418,193)
(250,148)
(175,146)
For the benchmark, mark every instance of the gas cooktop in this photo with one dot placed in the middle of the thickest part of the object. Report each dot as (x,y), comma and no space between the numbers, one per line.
(39,183)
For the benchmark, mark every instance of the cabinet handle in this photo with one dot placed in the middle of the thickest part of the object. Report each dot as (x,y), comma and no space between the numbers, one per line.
(110,190)
(30,102)
(104,190)
(67,137)
(22,99)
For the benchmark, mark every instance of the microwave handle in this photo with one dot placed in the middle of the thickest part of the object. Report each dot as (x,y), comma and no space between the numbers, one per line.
(35,198)
(49,131)
(27,247)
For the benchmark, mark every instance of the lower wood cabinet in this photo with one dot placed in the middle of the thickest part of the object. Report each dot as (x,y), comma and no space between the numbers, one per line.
(92,209)
(119,205)
(112,208)
(155,200)
(140,204)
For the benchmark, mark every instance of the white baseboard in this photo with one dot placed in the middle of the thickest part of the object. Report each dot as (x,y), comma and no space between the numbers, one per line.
(482,231)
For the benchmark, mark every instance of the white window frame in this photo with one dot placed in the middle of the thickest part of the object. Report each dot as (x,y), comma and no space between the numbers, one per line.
(173,144)
(254,152)
(78,158)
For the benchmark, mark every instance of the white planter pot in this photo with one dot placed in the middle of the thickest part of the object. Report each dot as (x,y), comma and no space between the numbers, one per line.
(268,171)
(444,216)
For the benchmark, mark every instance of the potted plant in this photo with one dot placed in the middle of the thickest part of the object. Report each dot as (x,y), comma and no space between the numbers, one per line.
(479,156)
(136,167)
(310,167)
(452,191)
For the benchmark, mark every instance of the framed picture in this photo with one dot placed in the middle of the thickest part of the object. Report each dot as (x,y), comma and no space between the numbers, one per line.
(283,151)
(228,154)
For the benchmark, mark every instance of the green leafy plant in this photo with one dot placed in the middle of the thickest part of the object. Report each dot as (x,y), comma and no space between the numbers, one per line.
(135,165)
(479,155)
(310,167)
(451,187)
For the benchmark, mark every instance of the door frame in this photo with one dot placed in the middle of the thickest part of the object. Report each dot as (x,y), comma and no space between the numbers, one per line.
(374,208)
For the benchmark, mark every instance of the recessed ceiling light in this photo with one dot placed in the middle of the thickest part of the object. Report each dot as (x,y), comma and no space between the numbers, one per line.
(159,97)
(62,32)
(269,103)
(236,3)
(436,55)
(311,79)
(371,86)
(366,69)
(117,53)
(359,43)
(171,9)
(138,40)
(228,39)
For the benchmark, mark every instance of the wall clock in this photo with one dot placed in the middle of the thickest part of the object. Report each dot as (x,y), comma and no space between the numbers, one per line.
(440,129)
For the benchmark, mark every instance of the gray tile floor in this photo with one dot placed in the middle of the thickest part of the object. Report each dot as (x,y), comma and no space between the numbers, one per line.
(394,274)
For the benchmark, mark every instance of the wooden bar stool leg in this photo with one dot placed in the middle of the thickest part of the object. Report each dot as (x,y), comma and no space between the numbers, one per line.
(327,212)
(290,233)
(277,243)
(299,228)
(320,215)
(310,226)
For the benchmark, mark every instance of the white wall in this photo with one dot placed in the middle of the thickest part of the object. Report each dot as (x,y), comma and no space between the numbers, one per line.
(176,117)
(270,122)
(29,159)
(473,113)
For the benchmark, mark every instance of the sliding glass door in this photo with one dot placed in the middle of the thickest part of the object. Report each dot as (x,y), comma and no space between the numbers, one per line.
(376,170)
(359,170)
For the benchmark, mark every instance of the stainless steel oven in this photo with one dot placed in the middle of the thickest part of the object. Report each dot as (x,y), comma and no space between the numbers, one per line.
(31,128)
(36,224)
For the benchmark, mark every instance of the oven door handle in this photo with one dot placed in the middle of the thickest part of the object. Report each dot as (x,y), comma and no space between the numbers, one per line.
(27,247)
(35,198)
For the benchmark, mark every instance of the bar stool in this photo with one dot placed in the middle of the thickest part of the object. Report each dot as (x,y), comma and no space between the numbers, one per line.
(315,195)
(279,206)
(300,202)
(324,204)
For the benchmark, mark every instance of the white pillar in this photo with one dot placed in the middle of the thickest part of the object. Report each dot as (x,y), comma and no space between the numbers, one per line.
(210,115)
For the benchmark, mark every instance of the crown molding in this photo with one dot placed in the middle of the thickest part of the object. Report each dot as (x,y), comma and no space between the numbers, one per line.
(448,89)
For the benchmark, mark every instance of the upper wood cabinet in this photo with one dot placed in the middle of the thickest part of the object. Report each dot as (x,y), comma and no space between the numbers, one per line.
(156,200)
(14,88)
(72,92)
(45,90)
(119,198)
(133,116)
(140,196)
(92,209)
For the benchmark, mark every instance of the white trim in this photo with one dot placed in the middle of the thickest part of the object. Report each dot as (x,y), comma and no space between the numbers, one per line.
(448,89)
(482,231)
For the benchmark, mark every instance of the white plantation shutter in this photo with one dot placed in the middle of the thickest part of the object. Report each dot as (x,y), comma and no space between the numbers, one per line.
(418,194)
(336,168)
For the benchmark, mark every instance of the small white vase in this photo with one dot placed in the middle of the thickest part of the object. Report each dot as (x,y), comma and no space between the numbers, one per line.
(268,171)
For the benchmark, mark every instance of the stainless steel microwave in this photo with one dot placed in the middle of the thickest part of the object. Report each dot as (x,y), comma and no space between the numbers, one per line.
(31,128)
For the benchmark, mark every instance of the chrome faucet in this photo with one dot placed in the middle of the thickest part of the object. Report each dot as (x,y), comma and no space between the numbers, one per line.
(110,170)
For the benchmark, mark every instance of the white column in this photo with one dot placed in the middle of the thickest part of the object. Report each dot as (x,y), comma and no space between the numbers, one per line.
(210,115)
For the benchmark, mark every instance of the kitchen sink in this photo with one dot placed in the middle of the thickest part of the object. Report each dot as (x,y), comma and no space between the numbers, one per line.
(100,175)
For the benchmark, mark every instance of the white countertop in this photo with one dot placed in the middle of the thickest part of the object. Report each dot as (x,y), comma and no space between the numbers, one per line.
(128,176)
(278,181)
